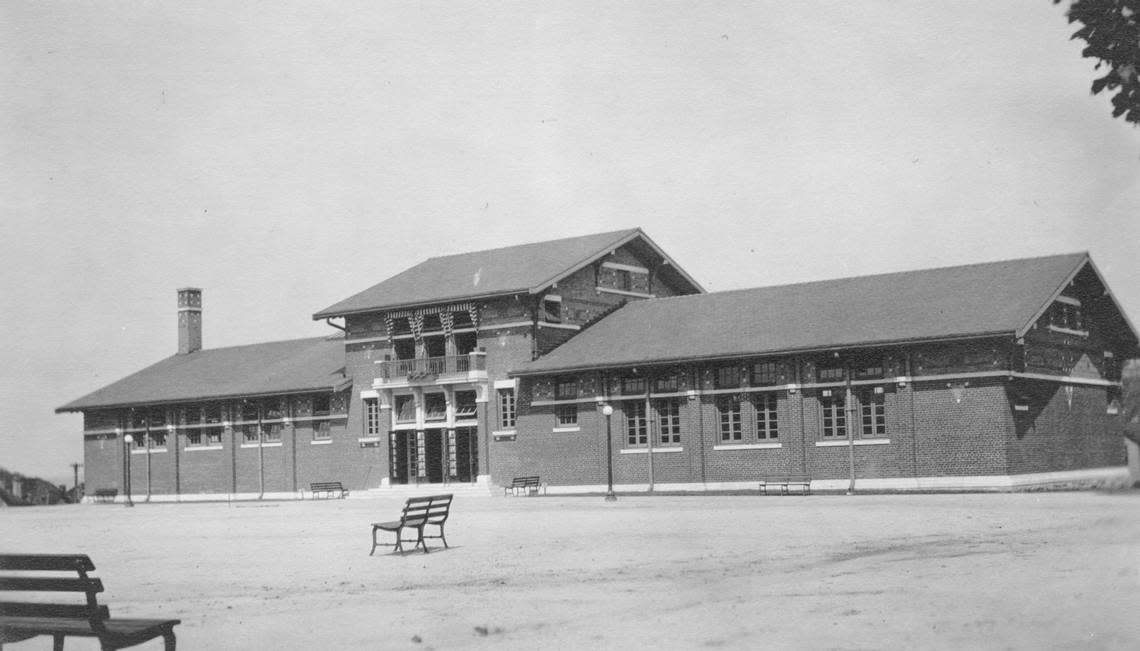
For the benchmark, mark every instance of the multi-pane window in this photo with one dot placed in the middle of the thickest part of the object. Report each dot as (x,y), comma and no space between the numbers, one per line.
(767,423)
(666,384)
(830,374)
(872,407)
(728,377)
(272,432)
(158,439)
(869,369)
(632,386)
(250,434)
(566,415)
(623,280)
(322,405)
(140,440)
(507,412)
(405,409)
(1066,313)
(372,417)
(834,417)
(194,438)
(465,404)
(765,374)
(249,412)
(669,421)
(322,430)
(636,428)
(730,423)
(566,389)
(552,309)
(214,436)
(435,406)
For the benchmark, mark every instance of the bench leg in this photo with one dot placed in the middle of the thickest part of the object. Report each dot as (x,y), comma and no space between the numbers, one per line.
(168,640)
(57,642)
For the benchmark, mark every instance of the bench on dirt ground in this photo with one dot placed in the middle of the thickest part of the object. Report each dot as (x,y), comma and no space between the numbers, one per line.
(105,495)
(525,486)
(329,489)
(52,574)
(418,513)
(786,484)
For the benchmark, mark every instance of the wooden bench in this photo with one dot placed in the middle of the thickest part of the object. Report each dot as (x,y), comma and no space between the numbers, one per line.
(786,484)
(418,513)
(105,495)
(44,573)
(525,486)
(329,489)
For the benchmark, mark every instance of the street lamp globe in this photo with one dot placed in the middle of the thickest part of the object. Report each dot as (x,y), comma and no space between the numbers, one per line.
(607,411)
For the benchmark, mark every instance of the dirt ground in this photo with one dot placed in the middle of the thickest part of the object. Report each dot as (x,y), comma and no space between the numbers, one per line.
(1021,571)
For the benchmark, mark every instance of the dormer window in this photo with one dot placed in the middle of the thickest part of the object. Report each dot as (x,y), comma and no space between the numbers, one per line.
(552,309)
(1065,315)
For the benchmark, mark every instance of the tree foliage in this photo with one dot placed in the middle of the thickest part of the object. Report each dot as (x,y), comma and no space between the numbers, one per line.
(1111,29)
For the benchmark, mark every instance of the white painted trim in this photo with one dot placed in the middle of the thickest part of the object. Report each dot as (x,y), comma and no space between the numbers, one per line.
(634,451)
(960,376)
(504,432)
(575,401)
(552,297)
(575,428)
(507,384)
(1068,379)
(369,439)
(749,446)
(272,444)
(197,448)
(369,394)
(320,442)
(1068,331)
(845,443)
(661,450)
(622,292)
(625,267)
(510,324)
(563,326)
(1061,298)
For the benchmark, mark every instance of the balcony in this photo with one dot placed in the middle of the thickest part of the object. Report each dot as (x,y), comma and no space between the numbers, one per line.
(456,368)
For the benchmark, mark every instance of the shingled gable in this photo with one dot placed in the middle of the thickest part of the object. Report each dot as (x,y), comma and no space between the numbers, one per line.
(526,268)
(279,367)
(999,298)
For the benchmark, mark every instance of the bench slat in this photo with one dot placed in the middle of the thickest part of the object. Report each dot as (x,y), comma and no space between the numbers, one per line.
(43,584)
(46,562)
(33,609)
(78,626)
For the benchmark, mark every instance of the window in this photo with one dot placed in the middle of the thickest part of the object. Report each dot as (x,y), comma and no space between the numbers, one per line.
(623,280)
(212,414)
(869,369)
(194,438)
(1066,314)
(830,374)
(566,415)
(214,436)
(193,415)
(765,374)
(666,384)
(140,440)
(249,434)
(632,386)
(767,423)
(507,413)
(465,404)
(248,412)
(322,431)
(405,409)
(566,389)
(273,433)
(552,309)
(371,417)
(872,408)
(728,377)
(158,439)
(730,427)
(669,421)
(834,418)
(321,405)
(273,409)
(435,406)
(636,432)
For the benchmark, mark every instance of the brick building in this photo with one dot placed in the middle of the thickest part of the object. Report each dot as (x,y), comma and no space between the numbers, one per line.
(483,366)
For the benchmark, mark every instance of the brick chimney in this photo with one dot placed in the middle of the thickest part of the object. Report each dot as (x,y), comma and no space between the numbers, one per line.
(189,320)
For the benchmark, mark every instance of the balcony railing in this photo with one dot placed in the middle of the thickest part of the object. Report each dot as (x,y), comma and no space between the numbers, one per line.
(425,368)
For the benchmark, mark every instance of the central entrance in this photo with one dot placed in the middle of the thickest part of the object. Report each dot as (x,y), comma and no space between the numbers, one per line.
(433,455)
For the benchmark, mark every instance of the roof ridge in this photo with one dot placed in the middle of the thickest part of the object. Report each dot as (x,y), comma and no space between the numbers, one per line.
(266,343)
(866,276)
(513,246)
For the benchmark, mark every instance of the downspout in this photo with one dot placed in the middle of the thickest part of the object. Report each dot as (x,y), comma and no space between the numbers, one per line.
(147,455)
(260,457)
(849,407)
(696,397)
(649,432)
(342,329)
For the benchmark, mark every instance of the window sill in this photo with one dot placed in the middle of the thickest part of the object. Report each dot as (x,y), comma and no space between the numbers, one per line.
(321,442)
(655,450)
(368,439)
(148,451)
(568,428)
(1069,331)
(749,446)
(197,448)
(622,292)
(267,444)
(843,442)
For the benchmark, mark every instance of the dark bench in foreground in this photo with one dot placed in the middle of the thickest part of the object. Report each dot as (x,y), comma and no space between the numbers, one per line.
(56,573)
(525,486)
(329,489)
(786,484)
(418,513)
(105,495)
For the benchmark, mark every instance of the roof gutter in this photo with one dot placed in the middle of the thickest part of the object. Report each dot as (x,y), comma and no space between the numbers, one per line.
(788,351)
(150,403)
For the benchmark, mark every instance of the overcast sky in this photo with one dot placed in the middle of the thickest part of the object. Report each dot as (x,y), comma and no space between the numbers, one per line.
(283,156)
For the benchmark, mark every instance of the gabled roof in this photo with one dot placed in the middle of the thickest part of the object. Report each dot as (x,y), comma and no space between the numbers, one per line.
(998,298)
(278,367)
(526,268)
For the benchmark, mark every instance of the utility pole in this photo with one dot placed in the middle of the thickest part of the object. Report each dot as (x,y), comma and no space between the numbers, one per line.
(75,470)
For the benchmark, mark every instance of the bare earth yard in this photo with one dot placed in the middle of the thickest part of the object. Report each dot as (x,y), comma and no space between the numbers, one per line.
(1024,571)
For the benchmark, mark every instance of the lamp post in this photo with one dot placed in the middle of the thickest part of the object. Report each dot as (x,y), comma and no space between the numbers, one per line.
(127,441)
(608,411)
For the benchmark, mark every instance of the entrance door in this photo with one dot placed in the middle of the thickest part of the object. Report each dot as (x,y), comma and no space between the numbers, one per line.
(435,449)
(402,457)
(466,453)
